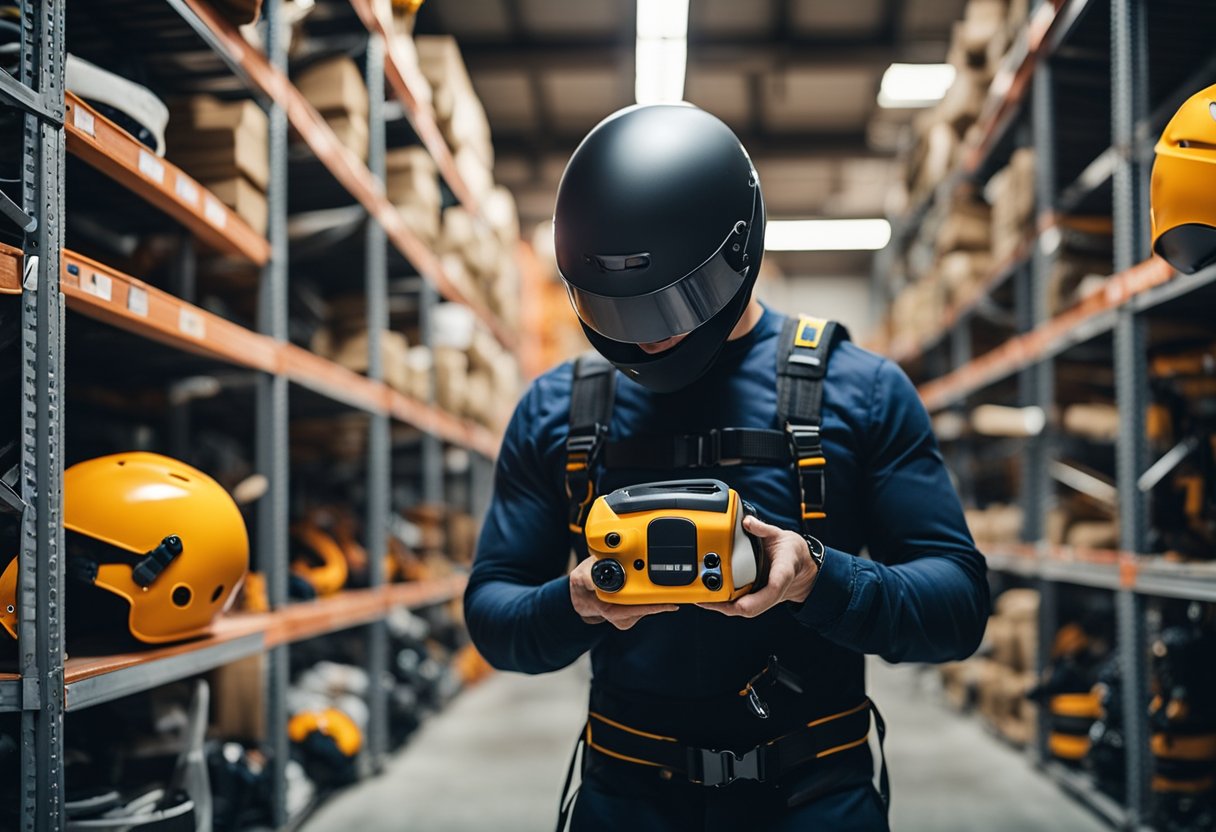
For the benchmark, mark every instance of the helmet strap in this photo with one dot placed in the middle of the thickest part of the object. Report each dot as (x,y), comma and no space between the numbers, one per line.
(156,561)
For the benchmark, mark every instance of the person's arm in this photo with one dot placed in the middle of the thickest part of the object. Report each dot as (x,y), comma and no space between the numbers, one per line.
(517,604)
(924,595)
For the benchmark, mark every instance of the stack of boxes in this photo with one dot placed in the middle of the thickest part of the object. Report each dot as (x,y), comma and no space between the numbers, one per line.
(224,145)
(972,239)
(334,87)
(481,263)
(412,185)
(996,681)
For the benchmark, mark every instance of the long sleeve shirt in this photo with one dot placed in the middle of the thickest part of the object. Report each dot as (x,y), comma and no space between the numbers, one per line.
(919,594)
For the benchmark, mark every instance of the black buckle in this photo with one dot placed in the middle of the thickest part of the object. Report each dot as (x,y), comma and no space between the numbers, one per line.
(704,450)
(721,768)
(584,442)
(804,440)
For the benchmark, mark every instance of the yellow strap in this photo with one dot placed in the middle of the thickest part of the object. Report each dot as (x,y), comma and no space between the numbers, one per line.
(829,752)
(608,721)
(812,462)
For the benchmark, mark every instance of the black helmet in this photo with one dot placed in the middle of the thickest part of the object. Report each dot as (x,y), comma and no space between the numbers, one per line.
(659,231)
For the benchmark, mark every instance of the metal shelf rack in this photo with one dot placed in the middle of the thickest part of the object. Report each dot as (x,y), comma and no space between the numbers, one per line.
(1098,173)
(50,279)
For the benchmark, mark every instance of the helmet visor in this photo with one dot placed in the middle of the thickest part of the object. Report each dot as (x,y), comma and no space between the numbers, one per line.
(673,310)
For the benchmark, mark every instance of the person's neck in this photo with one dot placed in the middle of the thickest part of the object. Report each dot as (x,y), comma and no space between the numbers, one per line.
(751,317)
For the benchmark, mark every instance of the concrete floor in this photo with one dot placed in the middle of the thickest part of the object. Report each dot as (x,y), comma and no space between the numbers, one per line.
(496,759)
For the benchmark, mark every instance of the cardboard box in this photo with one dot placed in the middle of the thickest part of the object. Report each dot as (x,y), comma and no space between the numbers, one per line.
(451,378)
(238,710)
(334,86)
(243,197)
(212,139)
(352,133)
(1095,420)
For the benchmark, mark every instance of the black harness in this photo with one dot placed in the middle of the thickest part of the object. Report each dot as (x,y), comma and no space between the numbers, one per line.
(802,363)
(805,346)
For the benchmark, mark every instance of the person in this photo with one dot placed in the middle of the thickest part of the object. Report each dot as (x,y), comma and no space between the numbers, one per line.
(659,233)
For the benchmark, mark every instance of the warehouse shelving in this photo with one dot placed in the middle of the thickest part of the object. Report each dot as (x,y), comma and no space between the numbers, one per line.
(47,278)
(109,148)
(1081,57)
(352,173)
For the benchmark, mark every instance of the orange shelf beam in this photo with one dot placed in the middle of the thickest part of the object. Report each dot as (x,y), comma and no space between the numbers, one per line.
(345,166)
(120,300)
(1022,351)
(107,147)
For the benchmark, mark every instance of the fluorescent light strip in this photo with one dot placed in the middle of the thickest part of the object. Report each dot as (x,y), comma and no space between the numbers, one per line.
(914,85)
(826,235)
(661,51)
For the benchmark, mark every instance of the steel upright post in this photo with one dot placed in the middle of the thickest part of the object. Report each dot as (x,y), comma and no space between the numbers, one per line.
(41,569)
(1129,105)
(273,425)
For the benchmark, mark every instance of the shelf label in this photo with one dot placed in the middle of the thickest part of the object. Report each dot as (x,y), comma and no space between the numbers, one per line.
(186,190)
(84,121)
(191,323)
(98,284)
(137,301)
(214,212)
(151,167)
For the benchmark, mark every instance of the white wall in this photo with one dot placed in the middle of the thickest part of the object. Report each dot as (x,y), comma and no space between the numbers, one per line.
(844,299)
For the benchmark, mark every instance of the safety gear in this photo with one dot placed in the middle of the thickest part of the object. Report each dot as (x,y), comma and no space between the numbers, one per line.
(1183,180)
(818,739)
(676,542)
(659,231)
(318,559)
(1070,694)
(133,107)
(328,741)
(157,533)
(802,363)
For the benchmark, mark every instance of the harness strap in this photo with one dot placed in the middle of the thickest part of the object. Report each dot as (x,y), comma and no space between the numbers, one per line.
(816,740)
(592,393)
(715,448)
(802,363)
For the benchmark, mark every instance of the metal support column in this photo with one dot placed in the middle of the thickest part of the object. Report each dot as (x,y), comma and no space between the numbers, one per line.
(959,452)
(273,427)
(1129,104)
(378,451)
(432,446)
(1037,384)
(41,570)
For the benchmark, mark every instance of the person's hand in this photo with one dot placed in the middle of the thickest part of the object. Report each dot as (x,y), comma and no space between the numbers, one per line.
(593,610)
(791,572)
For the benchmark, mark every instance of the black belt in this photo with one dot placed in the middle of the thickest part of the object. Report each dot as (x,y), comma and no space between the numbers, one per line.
(819,739)
(727,446)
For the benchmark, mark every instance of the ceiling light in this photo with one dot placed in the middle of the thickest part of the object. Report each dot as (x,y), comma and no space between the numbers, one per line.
(662,19)
(660,71)
(662,51)
(826,235)
(914,85)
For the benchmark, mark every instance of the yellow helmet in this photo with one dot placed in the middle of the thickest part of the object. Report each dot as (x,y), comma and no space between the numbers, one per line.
(318,559)
(331,723)
(1184,179)
(157,533)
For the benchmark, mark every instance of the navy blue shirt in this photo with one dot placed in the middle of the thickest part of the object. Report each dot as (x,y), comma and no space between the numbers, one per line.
(921,594)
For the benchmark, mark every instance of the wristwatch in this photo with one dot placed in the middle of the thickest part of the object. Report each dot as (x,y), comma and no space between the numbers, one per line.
(817,550)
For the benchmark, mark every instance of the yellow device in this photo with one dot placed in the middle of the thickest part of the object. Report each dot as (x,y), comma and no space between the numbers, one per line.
(675,542)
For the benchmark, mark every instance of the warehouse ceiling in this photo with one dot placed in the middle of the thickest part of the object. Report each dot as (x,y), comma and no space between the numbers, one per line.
(796,79)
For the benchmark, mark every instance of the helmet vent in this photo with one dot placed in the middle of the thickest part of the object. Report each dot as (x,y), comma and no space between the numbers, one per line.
(179,477)
(215,596)
(182,596)
(620,262)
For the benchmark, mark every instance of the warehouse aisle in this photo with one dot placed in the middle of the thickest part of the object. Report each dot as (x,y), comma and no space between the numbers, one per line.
(497,756)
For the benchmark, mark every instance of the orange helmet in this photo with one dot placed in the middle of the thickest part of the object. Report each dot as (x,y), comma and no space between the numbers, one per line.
(1184,179)
(331,723)
(159,534)
(318,559)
